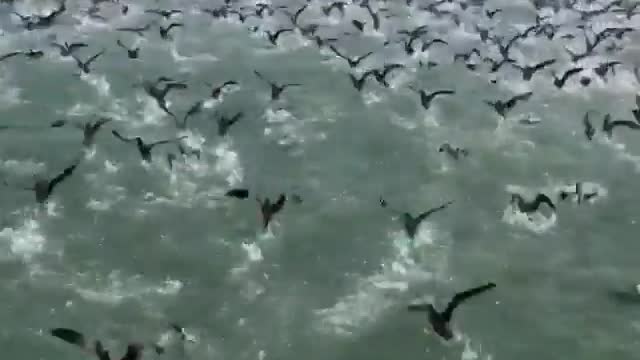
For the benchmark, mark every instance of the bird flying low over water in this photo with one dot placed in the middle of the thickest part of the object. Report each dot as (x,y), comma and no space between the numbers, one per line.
(412,223)
(528,207)
(269,209)
(440,321)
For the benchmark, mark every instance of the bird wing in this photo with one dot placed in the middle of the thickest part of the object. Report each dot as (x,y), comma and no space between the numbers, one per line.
(638,101)
(76,46)
(359,59)
(71,336)
(94,57)
(337,52)
(628,123)
(277,33)
(442,92)
(279,204)
(9,55)
(122,138)
(238,193)
(571,72)
(426,214)
(60,177)
(259,75)
(543,64)
(459,298)
(542,198)
(172,25)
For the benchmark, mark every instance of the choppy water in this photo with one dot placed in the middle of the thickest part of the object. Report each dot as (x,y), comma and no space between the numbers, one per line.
(122,248)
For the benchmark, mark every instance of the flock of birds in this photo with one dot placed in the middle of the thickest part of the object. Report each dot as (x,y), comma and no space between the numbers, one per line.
(493,50)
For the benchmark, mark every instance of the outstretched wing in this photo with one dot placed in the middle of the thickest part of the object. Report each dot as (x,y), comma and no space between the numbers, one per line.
(459,298)
(238,193)
(69,335)
(122,138)
(94,57)
(62,176)
(419,307)
(279,204)
(426,214)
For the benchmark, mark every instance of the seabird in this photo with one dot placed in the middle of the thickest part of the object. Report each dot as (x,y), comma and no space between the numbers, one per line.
(164,31)
(269,209)
(84,66)
(608,125)
(67,49)
(426,98)
(195,109)
(144,148)
(294,17)
(440,321)
(273,36)
(589,130)
(89,129)
(224,123)
(359,83)
(528,71)
(502,107)
(33,22)
(352,62)
(43,188)
(381,74)
(217,90)
(237,193)
(153,89)
(276,90)
(340,5)
(453,152)
(412,223)
(164,13)
(528,207)
(374,17)
(491,13)
(132,53)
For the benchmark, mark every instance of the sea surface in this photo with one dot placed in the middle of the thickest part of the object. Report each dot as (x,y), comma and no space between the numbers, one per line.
(122,248)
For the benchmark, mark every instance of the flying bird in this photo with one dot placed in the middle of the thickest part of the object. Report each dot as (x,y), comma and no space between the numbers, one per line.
(269,209)
(144,148)
(440,321)
(276,89)
(411,223)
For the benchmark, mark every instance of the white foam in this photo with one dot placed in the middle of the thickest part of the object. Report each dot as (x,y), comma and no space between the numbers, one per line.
(25,241)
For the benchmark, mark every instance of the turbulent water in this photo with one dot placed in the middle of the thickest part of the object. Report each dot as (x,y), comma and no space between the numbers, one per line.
(122,248)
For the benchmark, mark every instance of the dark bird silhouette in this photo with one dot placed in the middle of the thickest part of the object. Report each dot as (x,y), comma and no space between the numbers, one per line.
(238,193)
(273,36)
(132,53)
(276,89)
(589,130)
(381,74)
(427,44)
(603,69)
(358,25)
(269,210)
(164,31)
(504,48)
(427,98)
(195,109)
(133,352)
(224,123)
(164,13)
(560,81)
(528,207)
(144,148)
(353,62)
(154,89)
(217,90)
(89,128)
(453,152)
(411,223)
(43,188)
(608,125)
(465,56)
(138,30)
(496,65)
(502,107)
(84,65)
(67,49)
(294,17)
(359,83)
(29,54)
(440,321)
(528,71)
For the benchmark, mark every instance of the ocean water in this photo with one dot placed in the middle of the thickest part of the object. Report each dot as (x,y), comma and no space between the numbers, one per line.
(122,248)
